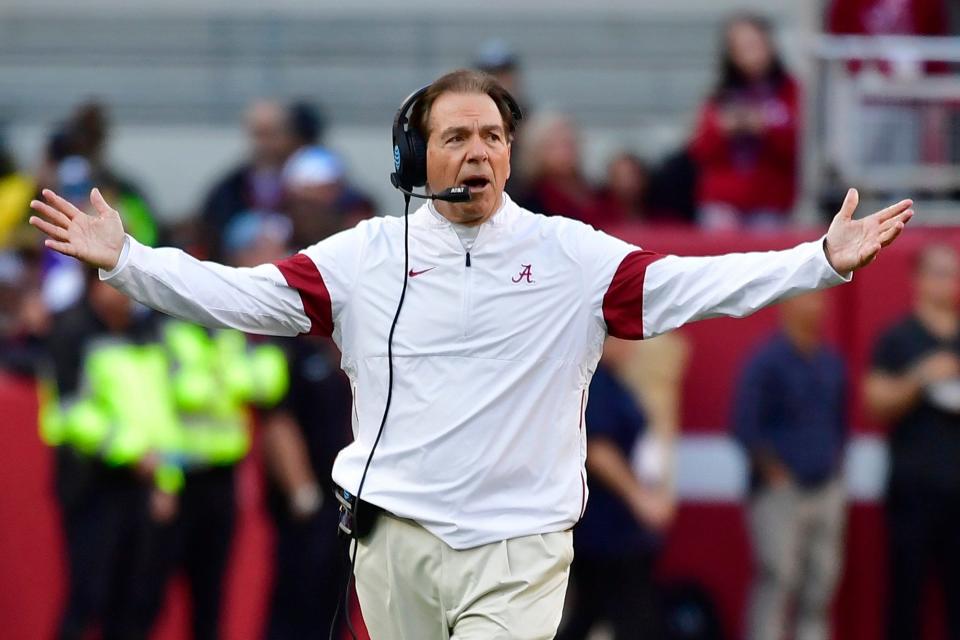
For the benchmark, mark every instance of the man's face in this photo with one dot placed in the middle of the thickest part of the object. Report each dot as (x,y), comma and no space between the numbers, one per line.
(938,277)
(113,307)
(806,312)
(270,139)
(468,146)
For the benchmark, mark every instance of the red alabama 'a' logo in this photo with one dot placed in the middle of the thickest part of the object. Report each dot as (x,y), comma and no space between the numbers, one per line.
(525,273)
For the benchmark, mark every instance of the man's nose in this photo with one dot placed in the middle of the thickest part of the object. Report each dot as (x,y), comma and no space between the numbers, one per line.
(476,152)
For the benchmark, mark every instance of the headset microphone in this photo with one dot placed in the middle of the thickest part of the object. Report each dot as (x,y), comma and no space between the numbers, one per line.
(453,194)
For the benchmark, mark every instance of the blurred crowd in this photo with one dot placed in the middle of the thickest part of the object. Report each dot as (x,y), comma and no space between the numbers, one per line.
(145,475)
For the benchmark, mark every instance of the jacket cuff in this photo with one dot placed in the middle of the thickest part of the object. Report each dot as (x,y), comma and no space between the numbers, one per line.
(121,262)
(835,275)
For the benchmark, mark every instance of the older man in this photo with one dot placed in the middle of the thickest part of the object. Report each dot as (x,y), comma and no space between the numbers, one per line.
(480,469)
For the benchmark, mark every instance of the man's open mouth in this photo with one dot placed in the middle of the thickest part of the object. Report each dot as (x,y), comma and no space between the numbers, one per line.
(476,183)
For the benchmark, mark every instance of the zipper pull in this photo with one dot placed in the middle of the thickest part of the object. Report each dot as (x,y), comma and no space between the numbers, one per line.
(468,258)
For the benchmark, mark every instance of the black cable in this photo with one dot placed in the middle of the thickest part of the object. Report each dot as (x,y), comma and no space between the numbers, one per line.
(345,597)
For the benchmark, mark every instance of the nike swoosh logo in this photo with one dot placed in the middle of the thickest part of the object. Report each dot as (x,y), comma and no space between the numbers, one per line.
(414,274)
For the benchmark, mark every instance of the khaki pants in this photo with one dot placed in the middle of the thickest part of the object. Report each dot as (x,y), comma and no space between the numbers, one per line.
(798,549)
(412,586)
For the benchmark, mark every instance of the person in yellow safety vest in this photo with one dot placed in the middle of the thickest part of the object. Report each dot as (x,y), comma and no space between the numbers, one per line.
(215,378)
(120,428)
(111,418)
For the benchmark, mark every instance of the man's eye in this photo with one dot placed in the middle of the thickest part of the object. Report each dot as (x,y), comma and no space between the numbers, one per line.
(494,137)
(455,139)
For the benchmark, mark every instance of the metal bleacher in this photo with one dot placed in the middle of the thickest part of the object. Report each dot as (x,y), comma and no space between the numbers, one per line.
(613,70)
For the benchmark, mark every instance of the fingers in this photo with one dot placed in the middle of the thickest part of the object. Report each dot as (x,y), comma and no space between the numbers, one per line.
(869,254)
(63,247)
(889,230)
(893,210)
(96,198)
(52,230)
(60,204)
(889,235)
(850,204)
(51,214)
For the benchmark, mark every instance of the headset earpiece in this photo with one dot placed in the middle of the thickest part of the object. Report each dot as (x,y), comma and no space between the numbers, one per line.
(410,149)
(418,154)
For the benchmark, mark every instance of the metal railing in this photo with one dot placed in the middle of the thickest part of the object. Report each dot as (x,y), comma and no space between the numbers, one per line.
(884,115)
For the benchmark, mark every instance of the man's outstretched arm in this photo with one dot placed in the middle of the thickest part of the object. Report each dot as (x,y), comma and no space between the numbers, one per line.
(255,300)
(651,294)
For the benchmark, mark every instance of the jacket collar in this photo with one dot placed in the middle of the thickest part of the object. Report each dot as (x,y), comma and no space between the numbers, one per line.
(428,215)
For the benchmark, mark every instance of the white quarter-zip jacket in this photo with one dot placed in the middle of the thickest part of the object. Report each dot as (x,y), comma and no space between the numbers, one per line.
(493,352)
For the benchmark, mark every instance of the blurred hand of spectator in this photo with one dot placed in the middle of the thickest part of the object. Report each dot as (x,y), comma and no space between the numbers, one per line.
(163,506)
(651,505)
(775,473)
(305,501)
(33,317)
(654,508)
(942,365)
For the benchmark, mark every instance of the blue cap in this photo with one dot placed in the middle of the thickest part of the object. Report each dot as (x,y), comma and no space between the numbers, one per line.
(312,166)
(246,228)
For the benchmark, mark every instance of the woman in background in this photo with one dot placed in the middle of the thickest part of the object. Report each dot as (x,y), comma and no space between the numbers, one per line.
(745,143)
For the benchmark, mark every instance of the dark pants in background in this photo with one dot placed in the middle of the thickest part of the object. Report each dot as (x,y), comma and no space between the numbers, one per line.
(197,541)
(924,530)
(311,573)
(104,518)
(617,590)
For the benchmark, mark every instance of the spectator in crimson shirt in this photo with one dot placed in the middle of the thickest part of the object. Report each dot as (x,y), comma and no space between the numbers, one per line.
(745,144)
(550,168)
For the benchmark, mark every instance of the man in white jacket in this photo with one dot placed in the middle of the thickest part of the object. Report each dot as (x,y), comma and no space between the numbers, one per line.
(480,469)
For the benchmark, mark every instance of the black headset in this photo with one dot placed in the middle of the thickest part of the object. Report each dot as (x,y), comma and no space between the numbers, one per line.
(410,148)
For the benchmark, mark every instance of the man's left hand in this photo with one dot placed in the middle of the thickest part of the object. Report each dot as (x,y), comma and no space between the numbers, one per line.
(852,244)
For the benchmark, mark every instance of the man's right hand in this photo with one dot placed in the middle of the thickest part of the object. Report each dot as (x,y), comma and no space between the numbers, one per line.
(96,239)
(775,474)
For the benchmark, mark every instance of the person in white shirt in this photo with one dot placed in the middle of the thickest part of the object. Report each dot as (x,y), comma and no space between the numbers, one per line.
(480,468)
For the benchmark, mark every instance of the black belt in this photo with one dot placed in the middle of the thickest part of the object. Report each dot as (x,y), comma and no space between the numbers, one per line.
(357,517)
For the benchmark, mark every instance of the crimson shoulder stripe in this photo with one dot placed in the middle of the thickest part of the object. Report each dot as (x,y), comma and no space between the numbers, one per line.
(623,301)
(302,274)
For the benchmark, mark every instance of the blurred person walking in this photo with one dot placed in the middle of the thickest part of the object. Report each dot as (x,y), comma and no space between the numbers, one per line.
(274,132)
(114,430)
(790,416)
(618,538)
(479,475)
(745,142)
(914,386)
